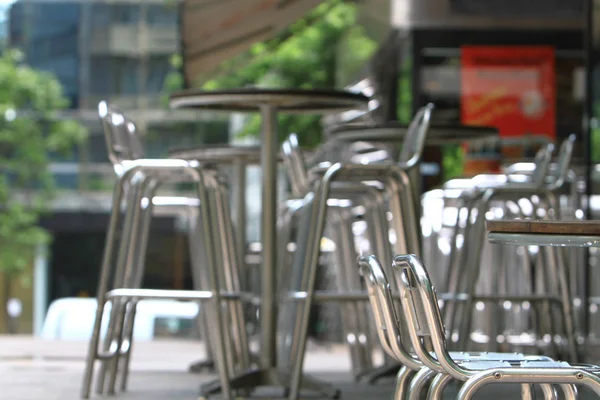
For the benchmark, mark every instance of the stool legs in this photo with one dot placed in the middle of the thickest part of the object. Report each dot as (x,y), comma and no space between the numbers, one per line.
(125,262)
(103,283)
(129,270)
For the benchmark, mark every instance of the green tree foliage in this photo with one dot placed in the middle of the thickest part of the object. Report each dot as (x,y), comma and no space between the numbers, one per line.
(30,134)
(305,55)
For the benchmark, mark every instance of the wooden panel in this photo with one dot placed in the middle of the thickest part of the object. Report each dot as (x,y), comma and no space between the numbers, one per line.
(213,31)
(545,227)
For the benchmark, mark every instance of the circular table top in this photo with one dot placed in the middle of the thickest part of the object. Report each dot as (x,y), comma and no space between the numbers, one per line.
(394,131)
(218,153)
(318,101)
(544,233)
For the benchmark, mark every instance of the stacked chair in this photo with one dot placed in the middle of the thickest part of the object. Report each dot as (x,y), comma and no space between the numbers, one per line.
(545,288)
(429,361)
(214,269)
(380,188)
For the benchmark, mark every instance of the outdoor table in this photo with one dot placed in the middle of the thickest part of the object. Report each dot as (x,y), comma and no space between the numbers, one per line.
(269,102)
(438,135)
(544,233)
(547,233)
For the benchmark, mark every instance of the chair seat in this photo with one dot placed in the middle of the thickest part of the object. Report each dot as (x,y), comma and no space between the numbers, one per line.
(493,356)
(218,154)
(187,295)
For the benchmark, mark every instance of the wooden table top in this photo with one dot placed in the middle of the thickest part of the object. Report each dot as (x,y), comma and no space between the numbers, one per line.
(547,227)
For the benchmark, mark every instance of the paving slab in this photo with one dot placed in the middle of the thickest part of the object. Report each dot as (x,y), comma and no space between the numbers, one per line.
(32,369)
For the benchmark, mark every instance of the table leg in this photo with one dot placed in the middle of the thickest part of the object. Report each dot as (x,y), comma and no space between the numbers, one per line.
(268,375)
(240,216)
(268,232)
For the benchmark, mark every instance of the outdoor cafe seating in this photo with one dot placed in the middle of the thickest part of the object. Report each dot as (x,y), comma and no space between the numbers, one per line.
(497,316)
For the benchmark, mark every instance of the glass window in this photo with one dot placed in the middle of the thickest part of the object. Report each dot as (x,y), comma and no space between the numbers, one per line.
(101,14)
(126,13)
(161,15)
(158,68)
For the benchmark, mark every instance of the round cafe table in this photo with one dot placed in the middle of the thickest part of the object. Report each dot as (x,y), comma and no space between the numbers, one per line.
(437,135)
(268,102)
(549,233)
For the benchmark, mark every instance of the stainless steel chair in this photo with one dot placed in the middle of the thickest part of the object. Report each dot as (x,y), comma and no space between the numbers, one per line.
(423,316)
(391,182)
(466,267)
(139,178)
(389,324)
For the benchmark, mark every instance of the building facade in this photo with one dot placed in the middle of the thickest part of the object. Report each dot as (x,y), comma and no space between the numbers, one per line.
(119,51)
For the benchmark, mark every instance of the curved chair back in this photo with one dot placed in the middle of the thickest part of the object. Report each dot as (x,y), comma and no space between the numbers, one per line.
(423,315)
(563,160)
(386,319)
(414,142)
(542,164)
(293,160)
(122,138)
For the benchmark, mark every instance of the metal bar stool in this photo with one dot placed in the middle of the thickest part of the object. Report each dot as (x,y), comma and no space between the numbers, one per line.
(139,177)
(467,192)
(345,198)
(410,158)
(465,272)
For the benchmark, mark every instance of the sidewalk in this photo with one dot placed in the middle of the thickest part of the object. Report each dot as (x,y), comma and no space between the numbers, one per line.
(34,369)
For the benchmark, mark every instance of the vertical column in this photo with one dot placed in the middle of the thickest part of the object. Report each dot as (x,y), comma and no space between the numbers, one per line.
(40,287)
(268,228)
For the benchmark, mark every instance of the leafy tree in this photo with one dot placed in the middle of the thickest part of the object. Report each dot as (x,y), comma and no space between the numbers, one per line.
(305,55)
(31,132)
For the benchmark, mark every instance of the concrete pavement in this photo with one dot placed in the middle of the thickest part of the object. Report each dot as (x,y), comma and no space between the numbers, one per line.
(32,369)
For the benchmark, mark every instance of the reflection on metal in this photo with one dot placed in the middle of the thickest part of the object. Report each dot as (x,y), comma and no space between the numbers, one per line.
(465,14)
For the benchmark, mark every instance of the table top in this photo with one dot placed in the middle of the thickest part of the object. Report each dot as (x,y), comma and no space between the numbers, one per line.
(217,153)
(316,101)
(544,227)
(544,233)
(394,131)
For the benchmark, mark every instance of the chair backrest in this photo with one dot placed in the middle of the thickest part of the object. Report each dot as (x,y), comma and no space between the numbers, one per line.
(384,313)
(293,160)
(563,160)
(122,138)
(542,164)
(414,141)
(423,315)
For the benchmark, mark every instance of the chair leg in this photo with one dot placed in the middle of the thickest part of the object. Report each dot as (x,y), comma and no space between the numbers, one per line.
(218,327)
(419,383)
(201,281)
(138,274)
(222,259)
(310,230)
(402,381)
(349,311)
(103,282)
(118,278)
(439,383)
(126,281)
(232,279)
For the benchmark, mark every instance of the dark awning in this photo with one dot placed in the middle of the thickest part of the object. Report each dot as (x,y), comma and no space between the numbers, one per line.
(217,30)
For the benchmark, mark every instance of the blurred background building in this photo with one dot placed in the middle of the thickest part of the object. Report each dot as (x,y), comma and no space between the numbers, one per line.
(120,51)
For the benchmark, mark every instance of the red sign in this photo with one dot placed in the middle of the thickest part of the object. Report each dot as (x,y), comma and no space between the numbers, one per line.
(509,88)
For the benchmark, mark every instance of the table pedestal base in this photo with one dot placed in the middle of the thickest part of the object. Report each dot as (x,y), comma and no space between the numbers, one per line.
(385,371)
(252,379)
(202,366)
